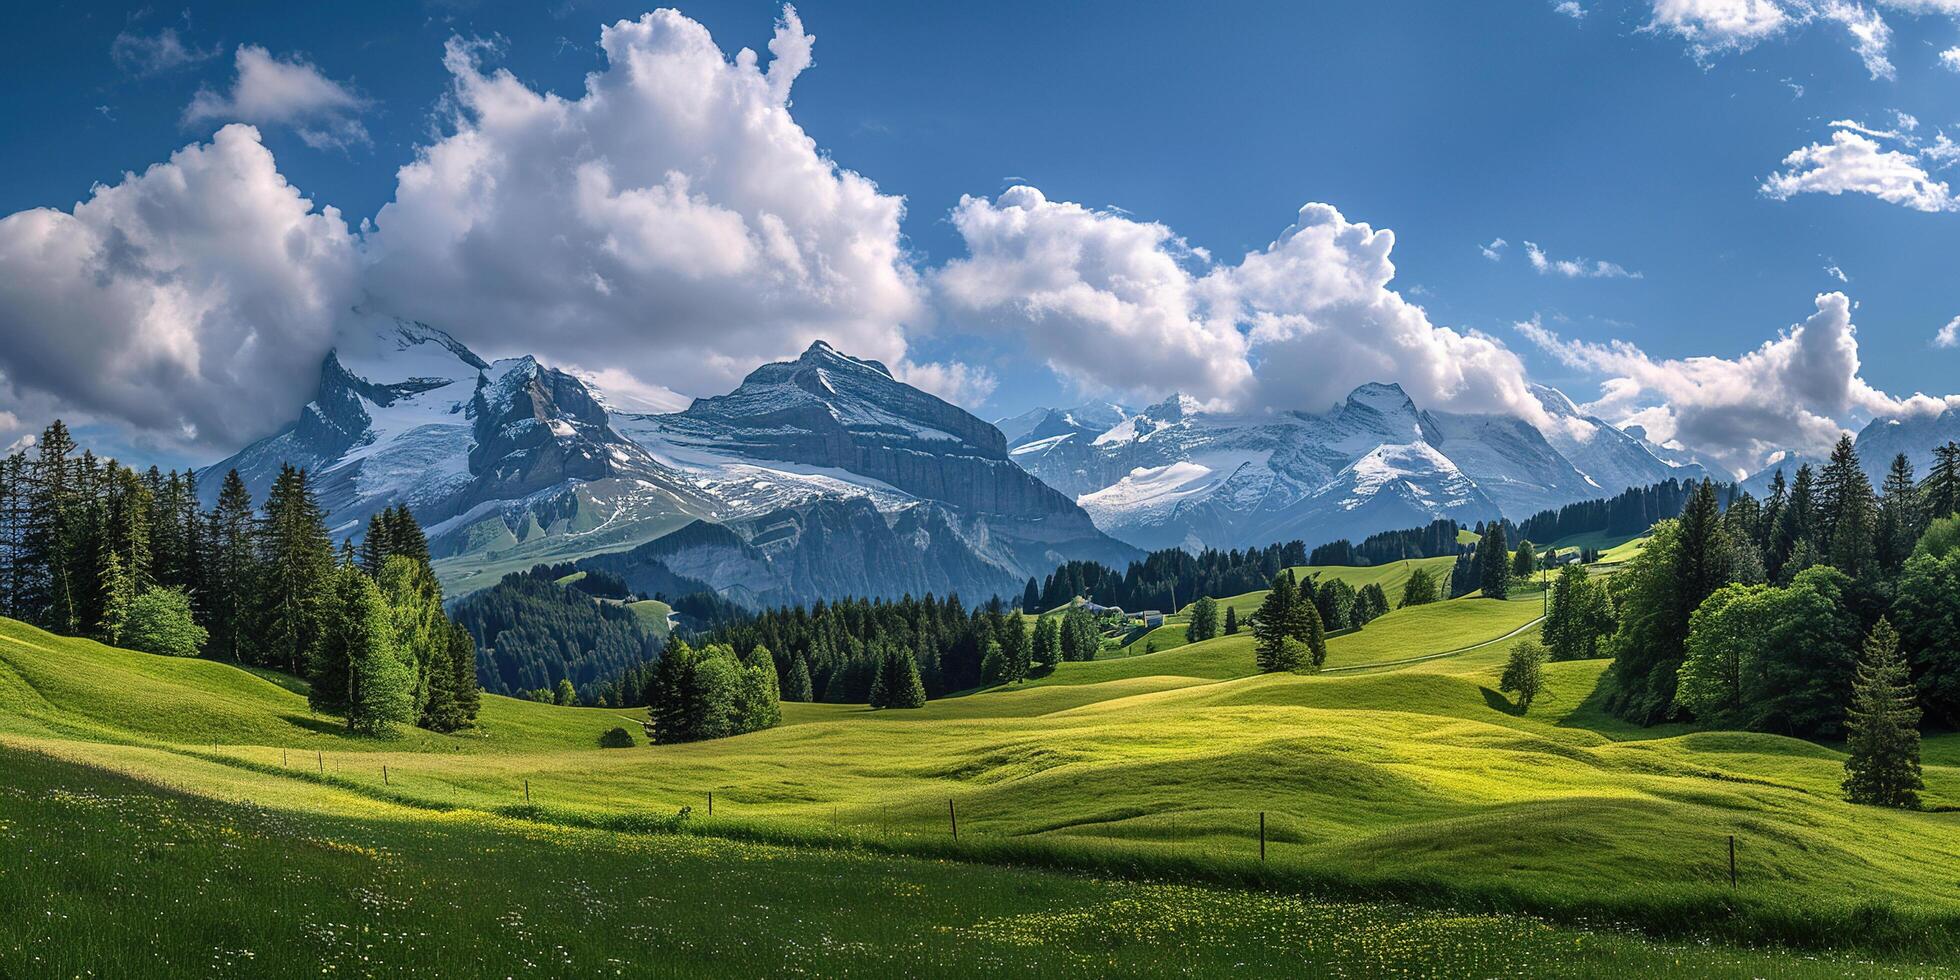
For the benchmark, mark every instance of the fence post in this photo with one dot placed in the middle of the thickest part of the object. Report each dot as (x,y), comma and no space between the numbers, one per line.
(384,775)
(282,758)
(1262,837)
(953,817)
(322,756)
(527,791)
(711,803)
(1731,860)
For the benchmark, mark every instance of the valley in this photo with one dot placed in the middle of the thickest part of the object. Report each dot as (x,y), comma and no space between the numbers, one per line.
(1378,780)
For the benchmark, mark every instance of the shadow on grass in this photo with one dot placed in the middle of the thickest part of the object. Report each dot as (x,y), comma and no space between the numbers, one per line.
(1498,702)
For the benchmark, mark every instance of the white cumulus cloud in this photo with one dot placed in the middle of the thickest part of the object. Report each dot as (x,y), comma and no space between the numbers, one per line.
(1108,301)
(672,219)
(1796,392)
(1949,335)
(271,91)
(1950,58)
(1854,163)
(1127,306)
(1711,27)
(192,301)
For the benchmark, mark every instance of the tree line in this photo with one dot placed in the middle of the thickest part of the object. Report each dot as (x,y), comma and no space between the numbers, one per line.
(839,651)
(89,547)
(1827,609)
(1436,539)
(534,634)
(1164,580)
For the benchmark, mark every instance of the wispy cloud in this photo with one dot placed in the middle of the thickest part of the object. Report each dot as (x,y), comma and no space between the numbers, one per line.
(146,55)
(1579,268)
(270,91)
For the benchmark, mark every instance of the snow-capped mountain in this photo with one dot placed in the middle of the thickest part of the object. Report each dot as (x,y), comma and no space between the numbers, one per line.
(1175,474)
(834,477)
(1878,443)
(1037,429)
(508,459)
(844,480)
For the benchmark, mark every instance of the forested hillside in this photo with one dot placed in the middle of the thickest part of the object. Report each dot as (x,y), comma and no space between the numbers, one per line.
(89,547)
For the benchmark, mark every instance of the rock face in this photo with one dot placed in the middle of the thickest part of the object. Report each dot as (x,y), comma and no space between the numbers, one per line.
(847,481)
(819,477)
(1177,475)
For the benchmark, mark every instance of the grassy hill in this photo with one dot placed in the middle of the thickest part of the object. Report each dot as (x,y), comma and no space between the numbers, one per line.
(1391,577)
(1399,774)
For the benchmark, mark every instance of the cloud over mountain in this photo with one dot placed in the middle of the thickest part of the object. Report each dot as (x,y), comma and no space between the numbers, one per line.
(672,219)
(1793,392)
(194,299)
(1127,306)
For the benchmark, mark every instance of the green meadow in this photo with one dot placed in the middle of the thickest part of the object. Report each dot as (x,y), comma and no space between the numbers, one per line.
(1108,816)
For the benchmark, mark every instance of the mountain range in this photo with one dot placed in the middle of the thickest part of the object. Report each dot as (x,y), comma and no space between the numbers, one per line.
(818,477)
(826,476)
(1177,475)
(1878,443)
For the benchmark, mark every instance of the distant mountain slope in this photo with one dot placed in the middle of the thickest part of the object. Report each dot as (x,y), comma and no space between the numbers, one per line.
(1176,475)
(837,477)
(1878,443)
(491,457)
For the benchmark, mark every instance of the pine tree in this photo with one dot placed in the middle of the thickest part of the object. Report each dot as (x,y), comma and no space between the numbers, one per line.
(1495,572)
(463,687)
(1231,621)
(1335,604)
(1031,597)
(1941,491)
(1525,565)
(118,592)
(1269,626)
(1047,646)
(898,683)
(405,536)
(1899,514)
(13,525)
(47,556)
(1882,768)
(297,561)
(1795,526)
(232,570)
(1304,628)
(1844,499)
(796,680)
(375,548)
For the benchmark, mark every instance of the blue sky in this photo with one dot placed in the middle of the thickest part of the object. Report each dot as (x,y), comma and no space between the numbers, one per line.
(1647,136)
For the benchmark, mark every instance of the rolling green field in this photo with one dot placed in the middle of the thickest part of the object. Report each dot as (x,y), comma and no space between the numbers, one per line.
(1391,577)
(1397,776)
